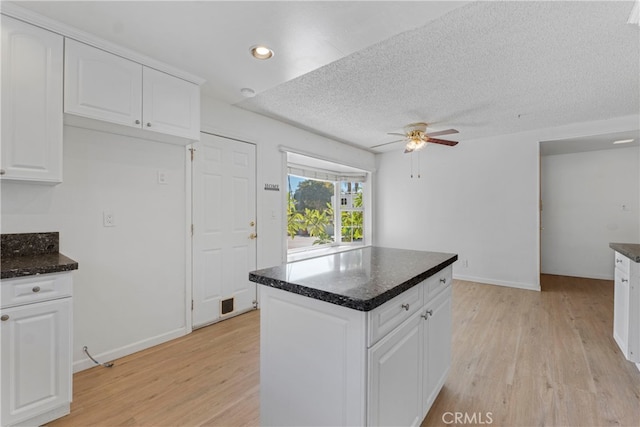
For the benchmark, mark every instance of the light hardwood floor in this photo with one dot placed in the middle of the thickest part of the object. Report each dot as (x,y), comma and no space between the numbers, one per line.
(527,358)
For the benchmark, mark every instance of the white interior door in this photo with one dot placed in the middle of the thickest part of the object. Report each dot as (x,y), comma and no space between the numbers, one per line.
(224,237)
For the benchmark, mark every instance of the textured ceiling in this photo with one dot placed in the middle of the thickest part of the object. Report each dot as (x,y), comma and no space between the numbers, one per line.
(212,39)
(487,68)
(356,70)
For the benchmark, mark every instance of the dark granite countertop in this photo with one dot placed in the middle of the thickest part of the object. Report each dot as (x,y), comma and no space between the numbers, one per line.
(630,250)
(361,279)
(28,254)
(31,265)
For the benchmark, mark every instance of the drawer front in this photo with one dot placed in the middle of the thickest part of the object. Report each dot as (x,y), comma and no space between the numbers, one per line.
(622,263)
(439,281)
(392,313)
(27,290)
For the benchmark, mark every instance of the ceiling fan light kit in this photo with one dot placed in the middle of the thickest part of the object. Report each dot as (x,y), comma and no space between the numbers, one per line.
(416,137)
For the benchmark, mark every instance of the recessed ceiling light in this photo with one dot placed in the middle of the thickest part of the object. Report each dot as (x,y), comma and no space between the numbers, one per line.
(247,92)
(623,141)
(261,52)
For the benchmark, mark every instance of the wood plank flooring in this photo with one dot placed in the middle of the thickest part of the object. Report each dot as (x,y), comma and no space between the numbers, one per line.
(527,358)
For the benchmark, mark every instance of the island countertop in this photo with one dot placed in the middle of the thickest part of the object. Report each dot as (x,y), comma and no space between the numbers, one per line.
(361,279)
(630,250)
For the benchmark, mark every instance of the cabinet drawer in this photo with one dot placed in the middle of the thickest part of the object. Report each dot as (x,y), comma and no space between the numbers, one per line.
(437,282)
(27,290)
(392,313)
(622,263)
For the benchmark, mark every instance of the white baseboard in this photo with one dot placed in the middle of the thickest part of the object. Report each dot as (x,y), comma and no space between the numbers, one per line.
(580,274)
(527,286)
(86,363)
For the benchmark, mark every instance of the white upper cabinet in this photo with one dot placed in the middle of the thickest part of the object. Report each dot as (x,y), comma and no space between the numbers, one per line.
(106,87)
(102,86)
(32,63)
(170,105)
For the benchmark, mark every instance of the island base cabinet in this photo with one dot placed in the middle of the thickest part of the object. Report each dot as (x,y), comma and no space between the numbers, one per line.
(395,372)
(437,346)
(36,362)
(312,361)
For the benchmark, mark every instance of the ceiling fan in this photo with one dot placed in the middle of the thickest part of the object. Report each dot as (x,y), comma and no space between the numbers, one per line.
(416,137)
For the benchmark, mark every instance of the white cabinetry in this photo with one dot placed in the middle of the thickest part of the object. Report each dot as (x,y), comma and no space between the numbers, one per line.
(36,325)
(105,87)
(626,312)
(32,64)
(102,86)
(408,367)
(324,364)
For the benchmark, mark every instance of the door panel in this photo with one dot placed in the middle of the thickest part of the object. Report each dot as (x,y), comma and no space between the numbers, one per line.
(224,209)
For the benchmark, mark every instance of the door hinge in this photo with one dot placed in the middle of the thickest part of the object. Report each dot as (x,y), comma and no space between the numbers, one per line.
(193,150)
(255,303)
(192,228)
(191,304)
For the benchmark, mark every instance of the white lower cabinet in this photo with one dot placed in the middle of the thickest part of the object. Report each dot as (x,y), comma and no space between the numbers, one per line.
(395,377)
(626,307)
(408,367)
(36,357)
(325,364)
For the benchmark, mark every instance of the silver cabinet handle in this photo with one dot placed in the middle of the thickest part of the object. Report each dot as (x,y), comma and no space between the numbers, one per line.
(426,314)
(624,280)
(137,122)
(4,317)
(2,171)
(618,260)
(405,306)
(148,124)
(36,289)
(443,280)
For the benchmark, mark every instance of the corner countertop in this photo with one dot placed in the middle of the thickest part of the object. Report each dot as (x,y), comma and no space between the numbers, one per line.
(361,279)
(630,250)
(28,254)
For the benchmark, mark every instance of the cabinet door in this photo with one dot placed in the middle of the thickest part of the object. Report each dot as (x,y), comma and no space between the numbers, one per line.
(31,103)
(621,310)
(36,359)
(102,86)
(437,346)
(395,373)
(171,105)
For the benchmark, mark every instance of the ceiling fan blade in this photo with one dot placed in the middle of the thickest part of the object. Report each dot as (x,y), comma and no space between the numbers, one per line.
(387,143)
(398,134)
(442,132)
(441,141)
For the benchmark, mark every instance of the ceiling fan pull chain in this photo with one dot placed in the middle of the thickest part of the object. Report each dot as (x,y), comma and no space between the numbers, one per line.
(418,165)
(412,164)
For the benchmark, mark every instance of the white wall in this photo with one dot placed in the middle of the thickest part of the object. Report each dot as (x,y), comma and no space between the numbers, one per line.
(130,289)
(583,196)
(269,135)
(478,199)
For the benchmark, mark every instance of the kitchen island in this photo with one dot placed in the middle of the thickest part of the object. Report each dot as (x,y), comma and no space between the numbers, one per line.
(361,337)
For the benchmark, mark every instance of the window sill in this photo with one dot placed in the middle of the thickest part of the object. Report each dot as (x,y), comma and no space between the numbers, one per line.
(315,253)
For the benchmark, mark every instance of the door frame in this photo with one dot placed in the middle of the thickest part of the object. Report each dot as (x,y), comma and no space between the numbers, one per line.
(189,220)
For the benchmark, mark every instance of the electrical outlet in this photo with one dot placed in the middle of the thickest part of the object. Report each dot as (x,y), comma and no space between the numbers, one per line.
(162,177)
(108,220)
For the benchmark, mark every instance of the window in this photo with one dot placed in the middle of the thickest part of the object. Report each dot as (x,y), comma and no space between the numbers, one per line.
(325,204)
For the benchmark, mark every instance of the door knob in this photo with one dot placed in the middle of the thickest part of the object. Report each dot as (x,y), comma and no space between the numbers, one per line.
(252,236)
(4,317)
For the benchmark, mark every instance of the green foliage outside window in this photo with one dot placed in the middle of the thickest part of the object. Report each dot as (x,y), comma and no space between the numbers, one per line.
(310,212)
